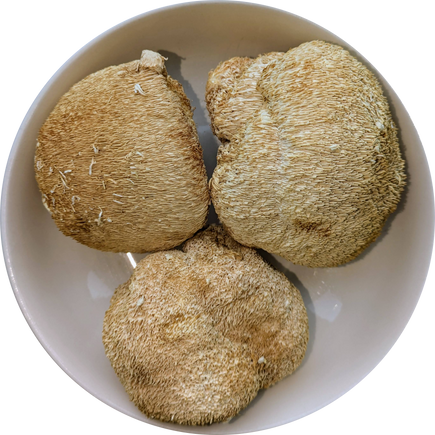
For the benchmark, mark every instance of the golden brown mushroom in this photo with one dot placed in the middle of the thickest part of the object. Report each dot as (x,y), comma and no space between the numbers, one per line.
(194,334)
(310,168)
(119,163)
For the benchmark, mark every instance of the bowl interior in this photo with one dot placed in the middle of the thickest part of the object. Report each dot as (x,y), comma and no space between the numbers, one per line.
(356,311)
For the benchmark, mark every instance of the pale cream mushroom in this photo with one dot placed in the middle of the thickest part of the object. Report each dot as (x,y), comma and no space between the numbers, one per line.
(194,334)
(118,160)
(310,167)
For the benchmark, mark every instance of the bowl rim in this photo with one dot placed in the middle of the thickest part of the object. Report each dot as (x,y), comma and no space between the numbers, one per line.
(11,154)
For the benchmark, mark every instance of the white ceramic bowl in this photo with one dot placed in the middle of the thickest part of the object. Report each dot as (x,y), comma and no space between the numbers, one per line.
(356,311)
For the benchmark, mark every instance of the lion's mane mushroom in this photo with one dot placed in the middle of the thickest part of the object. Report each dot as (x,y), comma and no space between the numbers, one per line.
(310,166)
(194,334)
(119,163)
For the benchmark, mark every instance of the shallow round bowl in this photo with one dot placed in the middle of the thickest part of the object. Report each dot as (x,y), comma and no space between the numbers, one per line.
(356,311)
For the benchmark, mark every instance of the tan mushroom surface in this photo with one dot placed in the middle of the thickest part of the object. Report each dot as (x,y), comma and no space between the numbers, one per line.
(310,166)
(194,334)
(118,161)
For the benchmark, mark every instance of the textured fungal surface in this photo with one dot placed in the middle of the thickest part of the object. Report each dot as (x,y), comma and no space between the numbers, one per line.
(194,334)
(232,93)
(311,168)
(118,161)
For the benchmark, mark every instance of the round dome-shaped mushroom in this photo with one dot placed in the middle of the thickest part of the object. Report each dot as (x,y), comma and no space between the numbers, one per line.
(194,334)
(310,166)
(118,160)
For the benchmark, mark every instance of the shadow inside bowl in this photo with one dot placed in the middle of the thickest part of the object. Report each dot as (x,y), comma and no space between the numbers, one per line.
(291,276)
(252,404)
(208,141)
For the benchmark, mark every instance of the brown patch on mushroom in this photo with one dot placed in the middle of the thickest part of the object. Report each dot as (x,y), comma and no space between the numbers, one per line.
(313,227)
(194,334)
(311,167)
(119,163)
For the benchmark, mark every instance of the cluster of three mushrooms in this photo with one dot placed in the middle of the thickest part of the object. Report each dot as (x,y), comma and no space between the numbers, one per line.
(309,168)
